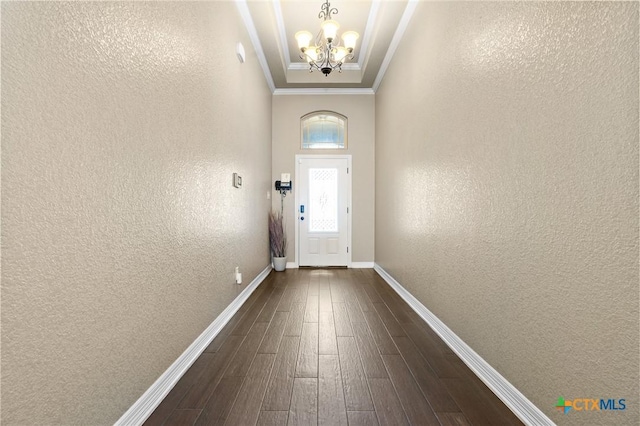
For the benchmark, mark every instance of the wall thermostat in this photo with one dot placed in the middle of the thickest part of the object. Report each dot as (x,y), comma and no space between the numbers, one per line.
(237,180)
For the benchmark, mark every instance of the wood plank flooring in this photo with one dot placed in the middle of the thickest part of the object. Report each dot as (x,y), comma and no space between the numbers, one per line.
(329,347)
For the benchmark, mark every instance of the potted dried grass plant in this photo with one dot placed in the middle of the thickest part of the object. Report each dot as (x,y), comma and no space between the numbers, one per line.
(277,241)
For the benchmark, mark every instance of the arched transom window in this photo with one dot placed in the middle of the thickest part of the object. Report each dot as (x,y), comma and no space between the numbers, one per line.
(324,130)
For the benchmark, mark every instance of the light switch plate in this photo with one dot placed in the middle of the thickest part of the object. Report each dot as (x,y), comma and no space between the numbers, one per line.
(237,180)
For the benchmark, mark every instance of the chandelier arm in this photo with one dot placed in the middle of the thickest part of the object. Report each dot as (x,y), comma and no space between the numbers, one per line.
(326,10)
(319,39)
(304,55)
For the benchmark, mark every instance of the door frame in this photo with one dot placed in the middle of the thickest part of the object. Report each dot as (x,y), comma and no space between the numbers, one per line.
(297,200)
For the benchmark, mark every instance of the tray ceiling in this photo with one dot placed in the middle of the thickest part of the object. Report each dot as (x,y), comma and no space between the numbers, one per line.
(273,24)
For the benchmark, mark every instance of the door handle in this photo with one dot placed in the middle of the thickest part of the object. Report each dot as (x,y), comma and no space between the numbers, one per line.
(301,208)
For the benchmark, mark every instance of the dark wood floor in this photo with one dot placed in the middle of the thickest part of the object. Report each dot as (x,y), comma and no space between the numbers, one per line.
(329,347)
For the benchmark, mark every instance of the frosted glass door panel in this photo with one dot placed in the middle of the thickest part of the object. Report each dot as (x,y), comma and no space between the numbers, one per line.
(323,200)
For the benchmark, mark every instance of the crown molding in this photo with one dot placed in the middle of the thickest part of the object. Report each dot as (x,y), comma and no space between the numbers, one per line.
(363,57)
(324,91)
(282,33)
(243,9)
(395,42)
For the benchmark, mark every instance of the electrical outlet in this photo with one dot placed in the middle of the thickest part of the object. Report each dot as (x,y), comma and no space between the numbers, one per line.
(238,275)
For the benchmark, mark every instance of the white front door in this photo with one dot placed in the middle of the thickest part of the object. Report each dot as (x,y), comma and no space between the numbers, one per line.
(323,202)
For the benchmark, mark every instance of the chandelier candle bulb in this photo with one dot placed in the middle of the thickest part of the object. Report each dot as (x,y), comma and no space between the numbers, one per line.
(326,54)
(340,54)
(303,38)
(312,54)
(349,39)
(330,29)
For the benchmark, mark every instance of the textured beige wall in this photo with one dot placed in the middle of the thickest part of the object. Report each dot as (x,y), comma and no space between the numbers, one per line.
(507,190)
(122,124)
(359,109)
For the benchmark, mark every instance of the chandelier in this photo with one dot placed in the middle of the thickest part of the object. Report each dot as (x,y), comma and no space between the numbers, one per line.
(326,54)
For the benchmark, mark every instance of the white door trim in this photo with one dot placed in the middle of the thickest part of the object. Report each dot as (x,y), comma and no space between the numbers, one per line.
(296,190)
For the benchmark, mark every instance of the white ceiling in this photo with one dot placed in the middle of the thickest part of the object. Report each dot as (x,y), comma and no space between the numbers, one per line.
(272,25)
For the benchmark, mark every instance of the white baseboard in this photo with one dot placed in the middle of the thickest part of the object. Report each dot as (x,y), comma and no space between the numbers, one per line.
(512,397)
(354,265)
(149,401)
(367,265)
